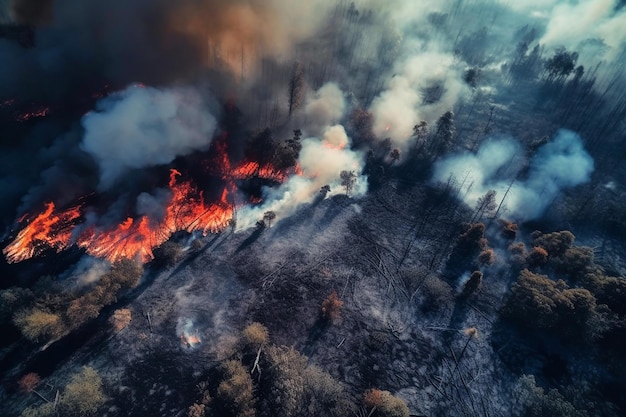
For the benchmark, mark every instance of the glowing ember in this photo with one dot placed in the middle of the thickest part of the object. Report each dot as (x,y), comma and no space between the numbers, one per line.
(190,340)
(41,112)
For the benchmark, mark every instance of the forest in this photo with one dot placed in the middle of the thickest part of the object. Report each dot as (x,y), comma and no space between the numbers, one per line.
(334,208)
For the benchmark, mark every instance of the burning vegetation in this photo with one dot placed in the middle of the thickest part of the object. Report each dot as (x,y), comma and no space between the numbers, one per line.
(270,208)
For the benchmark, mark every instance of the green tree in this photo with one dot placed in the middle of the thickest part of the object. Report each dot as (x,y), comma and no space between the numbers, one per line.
(561,65)
(36,324)
(83,395)
(235,390)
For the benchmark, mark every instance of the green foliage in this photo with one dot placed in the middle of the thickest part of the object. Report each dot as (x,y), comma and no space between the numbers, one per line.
(534,401)
(285,372)
(610,291)
(254,336)
(235,390)
(575,262)
(554,306)
(555,243)
(43,410)
(126,273)
(323,395)
(83,396)
(348,178)
(561,65)
(36,324)
(12,299)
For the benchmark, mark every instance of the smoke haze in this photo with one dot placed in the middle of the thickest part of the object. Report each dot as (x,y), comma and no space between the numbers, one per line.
(560,164)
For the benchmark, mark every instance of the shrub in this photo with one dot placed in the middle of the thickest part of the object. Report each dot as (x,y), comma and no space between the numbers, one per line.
(487,257)
(538,256)
(533,401)
(324,395)
(83,395)
(255,335)
(555,243)
(11,299)
(196,410)
(331,307)
(385,404)
(473,284)
(518,254)
(36,324)
(437,294)
(285,370)
(168,254)
(509,229)
(235,391)
(121,318)
(473,239)
(553,306)
(29,382)
(43,410)
(126,273)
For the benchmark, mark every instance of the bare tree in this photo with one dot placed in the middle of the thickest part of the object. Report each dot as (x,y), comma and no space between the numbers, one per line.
(296,87)
(485,205)
(268,216)
(348,178)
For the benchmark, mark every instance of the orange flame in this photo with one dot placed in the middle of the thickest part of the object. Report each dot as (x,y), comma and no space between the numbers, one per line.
(187,210)
(49,230)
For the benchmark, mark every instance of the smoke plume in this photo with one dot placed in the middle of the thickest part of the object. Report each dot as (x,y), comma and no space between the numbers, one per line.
(323,108)
(561,163)
(141,127)
(321,161)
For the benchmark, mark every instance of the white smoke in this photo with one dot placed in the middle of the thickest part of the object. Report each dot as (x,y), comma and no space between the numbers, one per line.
(324,107)
(141,127)
(87,271)
(571,23)
(406,100)
(559,164)
(321,162)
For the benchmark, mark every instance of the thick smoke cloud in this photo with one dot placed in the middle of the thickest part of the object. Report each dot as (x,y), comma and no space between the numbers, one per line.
(572,23)
(426,79)
(562,163)
(151,41)
(141,127)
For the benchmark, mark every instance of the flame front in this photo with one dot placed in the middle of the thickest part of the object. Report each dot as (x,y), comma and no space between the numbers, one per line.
(49,230)
(186,210)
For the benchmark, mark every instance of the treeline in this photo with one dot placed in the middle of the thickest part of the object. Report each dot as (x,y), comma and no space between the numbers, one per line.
(262,379)
(47,312)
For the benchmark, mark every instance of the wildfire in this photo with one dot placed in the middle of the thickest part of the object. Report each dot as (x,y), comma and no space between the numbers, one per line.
(186,210)
(190,340)
(48,230)
(40,112)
